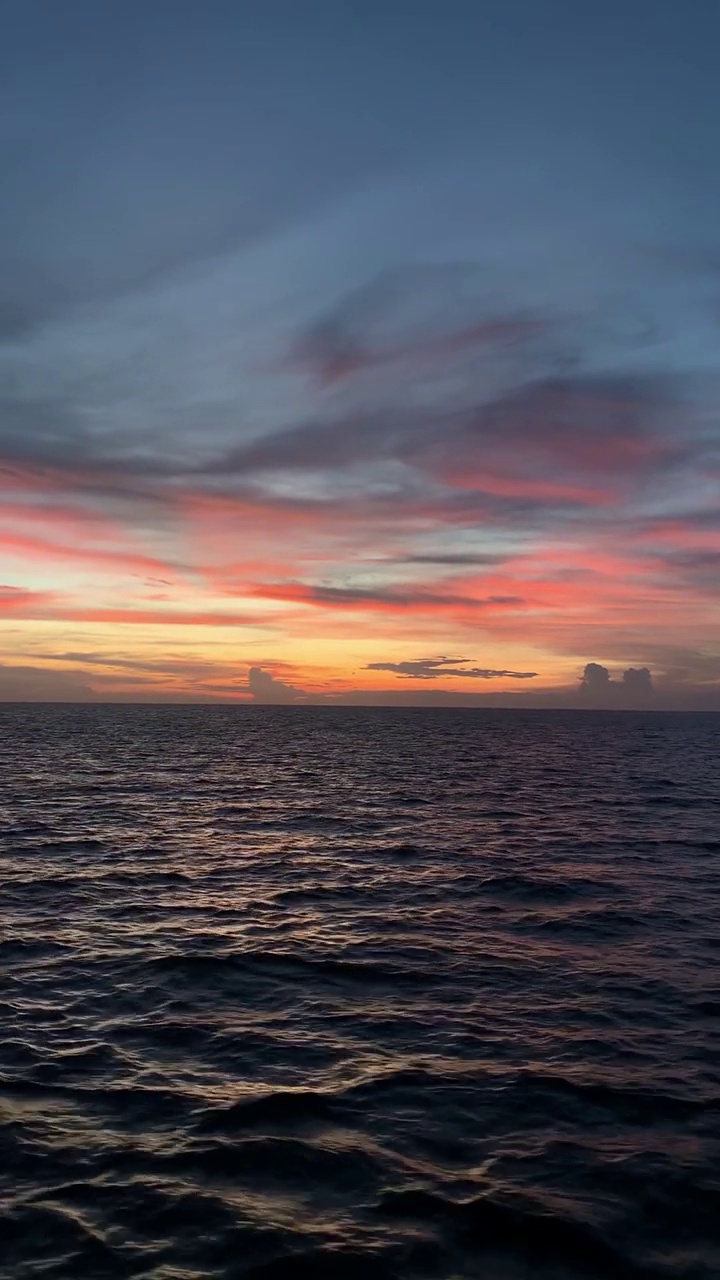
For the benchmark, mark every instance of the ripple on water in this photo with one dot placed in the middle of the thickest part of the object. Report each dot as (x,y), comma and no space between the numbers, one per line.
(316,993)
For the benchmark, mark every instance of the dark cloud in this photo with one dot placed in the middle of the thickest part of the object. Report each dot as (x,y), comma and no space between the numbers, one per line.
(308,446)
(595,678)
(405,598)
(682,665)
(597,685)
(692,567)
(529,455)
(382,597)
(42,432)
(45,443)
(173,677)
(408,315)
(554,444)
(638,680)
(451,558)
(438,668)
(265,688)
(171,667)
(693,517)
(700,559)
(579,428)
(19,683)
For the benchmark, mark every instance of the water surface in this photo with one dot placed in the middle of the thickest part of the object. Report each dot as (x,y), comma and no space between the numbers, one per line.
(294,993)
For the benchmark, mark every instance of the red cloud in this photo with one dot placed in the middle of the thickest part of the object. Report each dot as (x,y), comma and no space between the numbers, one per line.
(22,603)
(50,606)
(41,550)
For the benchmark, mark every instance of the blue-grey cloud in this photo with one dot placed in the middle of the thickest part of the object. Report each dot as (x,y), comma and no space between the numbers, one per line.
(439,668)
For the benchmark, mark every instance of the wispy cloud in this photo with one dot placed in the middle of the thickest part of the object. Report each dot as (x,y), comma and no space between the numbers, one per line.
(439,668)
(381,598)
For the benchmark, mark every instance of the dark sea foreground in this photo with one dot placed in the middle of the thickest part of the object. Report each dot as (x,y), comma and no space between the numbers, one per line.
(312,993)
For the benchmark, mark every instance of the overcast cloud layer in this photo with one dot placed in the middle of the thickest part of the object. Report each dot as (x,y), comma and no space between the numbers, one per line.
(338,338)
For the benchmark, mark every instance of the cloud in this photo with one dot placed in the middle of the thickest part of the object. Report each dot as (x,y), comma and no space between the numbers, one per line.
(452,558)
(52,606)
(264,687)
(414,316)
(595,678)
(142,666)
(577,440)
(127,561)
(438,668)
(638,681)
(174,676)
(22,602)
(27,683)
(382,598)
(48,454)
(635,686)
(573,444)
(681,665)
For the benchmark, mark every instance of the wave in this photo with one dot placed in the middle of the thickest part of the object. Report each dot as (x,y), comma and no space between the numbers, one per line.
(630,1102)
(330,968)
(282,1107)
(266,1015)
(493,1225)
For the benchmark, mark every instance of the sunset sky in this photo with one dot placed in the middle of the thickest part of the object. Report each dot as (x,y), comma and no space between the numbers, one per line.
(360,351)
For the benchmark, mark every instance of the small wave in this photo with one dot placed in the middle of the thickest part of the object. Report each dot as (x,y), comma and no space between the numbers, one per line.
(305,824)
(70,844)
(491,1224)
(277,1158)
(331,968)
(709,1008)
(60,1235)
(329,1263)
(588,926)
(642,1105)
(541,888)
(284,1106)
(402,851)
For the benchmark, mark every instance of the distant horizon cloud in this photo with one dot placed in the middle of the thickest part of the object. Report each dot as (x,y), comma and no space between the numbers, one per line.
(265,687)
(635,684)
(437,668)
(86,677)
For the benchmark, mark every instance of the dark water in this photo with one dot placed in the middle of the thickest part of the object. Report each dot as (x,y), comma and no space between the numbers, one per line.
(297,993)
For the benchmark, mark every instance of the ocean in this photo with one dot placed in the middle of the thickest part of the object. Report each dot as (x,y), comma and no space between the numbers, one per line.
(302,993)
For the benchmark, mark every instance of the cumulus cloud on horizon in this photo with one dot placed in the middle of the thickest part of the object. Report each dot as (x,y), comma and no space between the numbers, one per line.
(597,683)
(264,687)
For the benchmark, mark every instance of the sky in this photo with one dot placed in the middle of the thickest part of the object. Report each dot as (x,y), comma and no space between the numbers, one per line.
(360,352)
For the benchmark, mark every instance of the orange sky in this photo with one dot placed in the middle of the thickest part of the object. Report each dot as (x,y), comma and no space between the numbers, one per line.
(145,592)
